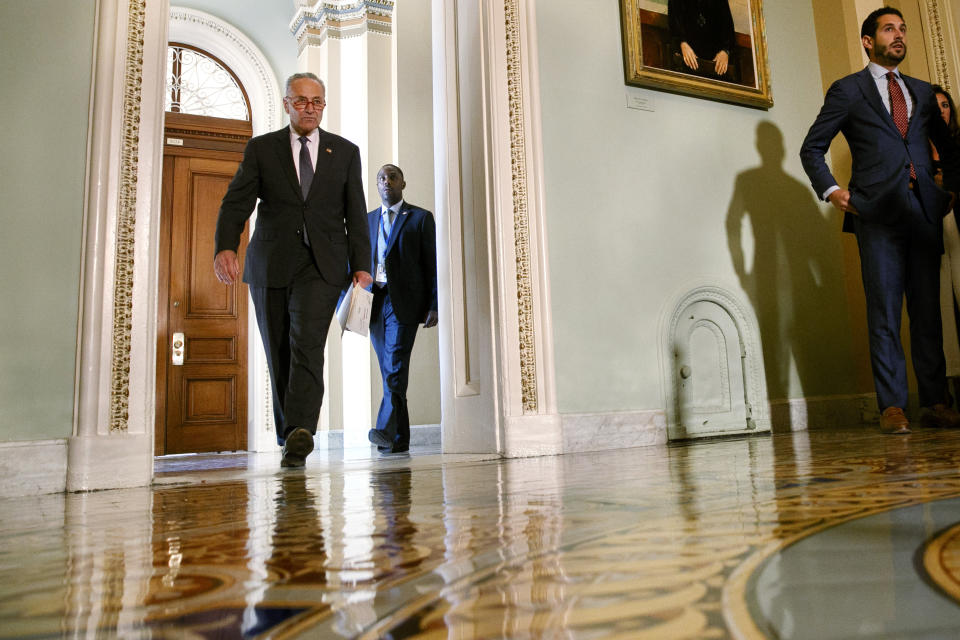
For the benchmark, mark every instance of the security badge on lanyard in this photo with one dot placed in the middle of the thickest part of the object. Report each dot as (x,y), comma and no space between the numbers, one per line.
(381,275)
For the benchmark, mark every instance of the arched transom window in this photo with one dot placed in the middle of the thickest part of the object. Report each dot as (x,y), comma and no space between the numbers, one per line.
(199,84)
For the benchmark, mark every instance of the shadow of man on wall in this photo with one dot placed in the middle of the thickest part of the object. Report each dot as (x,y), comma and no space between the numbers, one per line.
(795,277)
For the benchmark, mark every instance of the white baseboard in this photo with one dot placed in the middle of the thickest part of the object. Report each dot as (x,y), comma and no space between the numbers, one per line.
(421,435)
(619,430)
(109,462)
(533,435)
(33,467)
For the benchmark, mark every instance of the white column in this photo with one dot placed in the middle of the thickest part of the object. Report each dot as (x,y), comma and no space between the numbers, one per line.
(531,424)
(351,48)
(112,445)
(496,331)
(470,421)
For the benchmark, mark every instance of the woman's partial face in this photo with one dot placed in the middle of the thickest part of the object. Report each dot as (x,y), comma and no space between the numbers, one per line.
(944,105)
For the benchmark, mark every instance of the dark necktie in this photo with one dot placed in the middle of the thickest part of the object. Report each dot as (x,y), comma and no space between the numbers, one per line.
(898,109)
(306,177)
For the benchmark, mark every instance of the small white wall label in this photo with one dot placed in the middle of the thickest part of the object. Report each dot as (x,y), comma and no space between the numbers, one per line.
(641,101)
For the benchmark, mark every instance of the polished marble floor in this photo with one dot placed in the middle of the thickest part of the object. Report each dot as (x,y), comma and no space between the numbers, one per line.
(821,534)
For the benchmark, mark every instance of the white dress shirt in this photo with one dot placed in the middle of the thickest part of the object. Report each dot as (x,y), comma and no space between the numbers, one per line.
(880,77)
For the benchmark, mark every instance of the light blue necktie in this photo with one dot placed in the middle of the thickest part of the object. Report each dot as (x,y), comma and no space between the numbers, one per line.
(386,225)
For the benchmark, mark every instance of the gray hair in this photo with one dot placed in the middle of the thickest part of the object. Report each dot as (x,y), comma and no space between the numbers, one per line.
(306,75)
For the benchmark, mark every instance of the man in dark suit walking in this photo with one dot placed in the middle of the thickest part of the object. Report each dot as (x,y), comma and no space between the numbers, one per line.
(896,211)
(404,255)
(311,225)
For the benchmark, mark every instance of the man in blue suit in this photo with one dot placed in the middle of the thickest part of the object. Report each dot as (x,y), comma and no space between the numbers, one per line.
(404,255)
(895,209)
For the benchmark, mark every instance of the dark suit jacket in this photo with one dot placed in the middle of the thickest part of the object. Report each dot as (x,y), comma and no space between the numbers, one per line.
(411,261)
(879,185)
(715,35)
(334,211)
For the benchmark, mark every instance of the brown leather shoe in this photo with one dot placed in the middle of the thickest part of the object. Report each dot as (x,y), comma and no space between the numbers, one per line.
(939,416)
(893,421)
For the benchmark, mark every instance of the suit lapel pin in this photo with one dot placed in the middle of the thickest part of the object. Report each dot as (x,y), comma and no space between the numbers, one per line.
(329,150)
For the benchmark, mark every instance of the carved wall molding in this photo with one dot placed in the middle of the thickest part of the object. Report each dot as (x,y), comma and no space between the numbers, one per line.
(311,25)
(938,46)
(126,219)
(521,219)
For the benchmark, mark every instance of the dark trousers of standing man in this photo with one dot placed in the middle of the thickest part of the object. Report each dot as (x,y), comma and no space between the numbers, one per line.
(393,342)
(293,322)
(897,259)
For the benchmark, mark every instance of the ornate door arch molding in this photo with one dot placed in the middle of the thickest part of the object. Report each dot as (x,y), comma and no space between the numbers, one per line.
(238,52)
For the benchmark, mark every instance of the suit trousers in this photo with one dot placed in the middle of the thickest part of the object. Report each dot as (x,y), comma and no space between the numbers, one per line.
(393,342)
(896,260)
(294,321)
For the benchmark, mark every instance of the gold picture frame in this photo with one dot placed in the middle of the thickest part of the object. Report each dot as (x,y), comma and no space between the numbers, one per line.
(654,56)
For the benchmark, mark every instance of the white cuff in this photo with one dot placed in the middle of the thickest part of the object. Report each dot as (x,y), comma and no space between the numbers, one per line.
(826,194)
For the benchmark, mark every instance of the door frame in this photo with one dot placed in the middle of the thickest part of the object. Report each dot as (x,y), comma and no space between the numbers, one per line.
(200,137)
(248,62)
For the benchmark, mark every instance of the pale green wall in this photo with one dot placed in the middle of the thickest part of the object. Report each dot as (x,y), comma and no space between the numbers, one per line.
(46,48)
(638,202)
(265,22)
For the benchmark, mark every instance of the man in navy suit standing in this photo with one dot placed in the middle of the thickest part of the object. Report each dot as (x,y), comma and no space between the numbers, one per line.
(310,228)
(896,211)
(404,255)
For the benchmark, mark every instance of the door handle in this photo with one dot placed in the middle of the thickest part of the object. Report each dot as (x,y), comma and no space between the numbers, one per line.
(178,349)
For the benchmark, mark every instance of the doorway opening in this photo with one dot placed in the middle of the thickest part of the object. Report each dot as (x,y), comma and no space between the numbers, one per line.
(413,150)
(202,331)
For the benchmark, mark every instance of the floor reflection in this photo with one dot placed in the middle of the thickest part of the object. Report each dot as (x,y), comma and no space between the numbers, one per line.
(709,539)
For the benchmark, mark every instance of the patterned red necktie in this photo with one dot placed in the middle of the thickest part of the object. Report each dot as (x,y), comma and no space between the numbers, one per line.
(898,109)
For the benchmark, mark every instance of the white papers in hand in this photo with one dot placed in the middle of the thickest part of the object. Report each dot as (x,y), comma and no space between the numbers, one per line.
(353,314)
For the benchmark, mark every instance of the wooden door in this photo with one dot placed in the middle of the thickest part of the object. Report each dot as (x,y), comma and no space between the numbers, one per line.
(202,328)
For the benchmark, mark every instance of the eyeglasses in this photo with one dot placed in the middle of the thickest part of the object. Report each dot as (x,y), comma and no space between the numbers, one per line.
(300,103)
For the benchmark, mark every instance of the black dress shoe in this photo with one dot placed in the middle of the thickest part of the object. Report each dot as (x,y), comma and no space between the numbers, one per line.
(380,438)
(396,448)
(296,448)
(939,416)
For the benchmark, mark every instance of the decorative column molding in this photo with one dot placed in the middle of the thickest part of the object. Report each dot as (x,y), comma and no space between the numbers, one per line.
(941,35)
(126,217)
(112,444)
(531,424)
(340,20)
(521,230)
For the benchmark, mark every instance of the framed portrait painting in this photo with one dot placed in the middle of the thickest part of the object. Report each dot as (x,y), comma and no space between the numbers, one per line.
(713,49)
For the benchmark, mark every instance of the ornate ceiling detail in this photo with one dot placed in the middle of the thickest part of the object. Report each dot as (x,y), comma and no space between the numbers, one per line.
(312,24)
